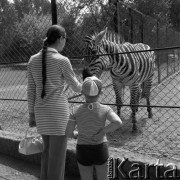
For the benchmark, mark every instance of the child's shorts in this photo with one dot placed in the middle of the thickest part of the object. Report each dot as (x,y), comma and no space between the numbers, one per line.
(89,155)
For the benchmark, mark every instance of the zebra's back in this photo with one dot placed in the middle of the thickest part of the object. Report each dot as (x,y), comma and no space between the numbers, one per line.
(133,67)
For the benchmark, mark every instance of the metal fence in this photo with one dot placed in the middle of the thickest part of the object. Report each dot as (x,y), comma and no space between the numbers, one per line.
(22,36)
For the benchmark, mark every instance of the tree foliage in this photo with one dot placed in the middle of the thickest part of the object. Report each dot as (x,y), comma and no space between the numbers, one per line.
(25,22)
(25,38)
(82,18)
(32,6)
(158,9)
(174,14)
(8,15)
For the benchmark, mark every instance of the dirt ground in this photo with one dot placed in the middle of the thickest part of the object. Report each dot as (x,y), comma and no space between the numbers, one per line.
(14,169)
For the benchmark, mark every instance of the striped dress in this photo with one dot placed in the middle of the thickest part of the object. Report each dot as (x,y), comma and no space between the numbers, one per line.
(51,112)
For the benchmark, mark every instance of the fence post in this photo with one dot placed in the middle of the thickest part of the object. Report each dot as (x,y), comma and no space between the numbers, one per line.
(167,54)
(142,28)
(174,60)
(178,41)
(130,25)
(178,50)
(54,11)
(118,18)
(158,60)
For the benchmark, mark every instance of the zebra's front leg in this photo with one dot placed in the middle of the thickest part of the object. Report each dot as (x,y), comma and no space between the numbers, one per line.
(133,116)
(146,94)
(138,97)
(119,105)
(118,94)
(134,104)
(149,110)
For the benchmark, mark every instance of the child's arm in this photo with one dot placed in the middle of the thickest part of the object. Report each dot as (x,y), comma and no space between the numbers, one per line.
(70,128)
(115,123)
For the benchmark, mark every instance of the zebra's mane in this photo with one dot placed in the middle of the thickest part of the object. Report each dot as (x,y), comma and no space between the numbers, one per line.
(114,37)
(110,36)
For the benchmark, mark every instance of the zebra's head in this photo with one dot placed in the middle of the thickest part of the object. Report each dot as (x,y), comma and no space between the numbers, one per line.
(94,49)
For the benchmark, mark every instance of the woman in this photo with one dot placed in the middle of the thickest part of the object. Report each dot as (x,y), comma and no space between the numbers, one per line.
(48,71)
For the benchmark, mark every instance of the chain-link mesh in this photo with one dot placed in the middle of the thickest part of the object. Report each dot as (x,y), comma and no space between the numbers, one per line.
(22,34)
(23,27)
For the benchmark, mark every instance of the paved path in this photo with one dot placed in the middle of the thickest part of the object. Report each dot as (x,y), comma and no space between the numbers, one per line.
(14,169)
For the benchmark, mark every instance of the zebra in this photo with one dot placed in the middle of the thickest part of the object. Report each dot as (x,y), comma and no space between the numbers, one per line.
(134,70)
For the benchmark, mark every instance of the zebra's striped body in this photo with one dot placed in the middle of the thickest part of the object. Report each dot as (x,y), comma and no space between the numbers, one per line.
(129,69)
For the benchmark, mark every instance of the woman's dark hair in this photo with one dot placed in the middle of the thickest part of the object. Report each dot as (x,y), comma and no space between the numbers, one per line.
(53,33)
(86,73)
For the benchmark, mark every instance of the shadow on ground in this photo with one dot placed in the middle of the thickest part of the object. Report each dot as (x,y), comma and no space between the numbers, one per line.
(15,169)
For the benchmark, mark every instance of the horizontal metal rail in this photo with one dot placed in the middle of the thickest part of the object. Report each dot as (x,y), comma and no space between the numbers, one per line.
(107,54)
(128,105)
(78,102)
(1,99)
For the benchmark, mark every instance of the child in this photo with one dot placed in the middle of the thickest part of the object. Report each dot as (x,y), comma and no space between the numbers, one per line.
(90,118)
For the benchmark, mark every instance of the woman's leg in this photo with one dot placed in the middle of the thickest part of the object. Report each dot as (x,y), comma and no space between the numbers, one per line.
(86,172)
(57,157)
(101,171)
(44,157)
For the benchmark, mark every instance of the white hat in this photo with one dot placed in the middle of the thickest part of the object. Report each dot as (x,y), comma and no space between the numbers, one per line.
(91,86)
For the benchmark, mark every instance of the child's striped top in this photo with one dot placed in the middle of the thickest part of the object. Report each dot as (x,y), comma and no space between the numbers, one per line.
(90,118)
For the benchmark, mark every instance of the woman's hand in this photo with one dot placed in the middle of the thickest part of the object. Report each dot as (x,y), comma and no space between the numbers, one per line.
(32,121)
(99,135)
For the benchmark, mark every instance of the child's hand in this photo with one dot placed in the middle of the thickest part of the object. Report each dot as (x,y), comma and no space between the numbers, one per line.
(98,136)
(32,122)
(75,134)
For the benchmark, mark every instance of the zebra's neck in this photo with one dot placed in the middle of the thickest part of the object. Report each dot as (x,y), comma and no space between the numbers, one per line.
(111,47)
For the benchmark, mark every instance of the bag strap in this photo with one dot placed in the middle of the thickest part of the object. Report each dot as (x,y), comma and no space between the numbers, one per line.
(27,130)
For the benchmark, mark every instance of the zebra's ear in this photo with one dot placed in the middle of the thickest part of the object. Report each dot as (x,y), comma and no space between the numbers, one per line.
(100,36)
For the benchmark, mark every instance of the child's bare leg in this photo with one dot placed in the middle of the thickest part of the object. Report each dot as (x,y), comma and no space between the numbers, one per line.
(86,172)
(101,171)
